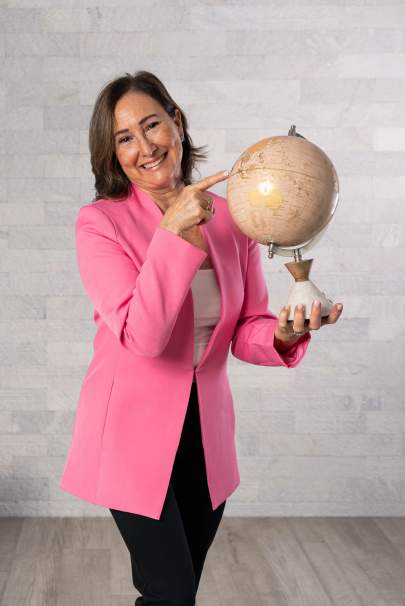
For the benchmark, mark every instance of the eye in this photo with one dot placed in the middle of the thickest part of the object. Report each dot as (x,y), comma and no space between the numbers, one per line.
(123,139)
(127,137)
(152,124)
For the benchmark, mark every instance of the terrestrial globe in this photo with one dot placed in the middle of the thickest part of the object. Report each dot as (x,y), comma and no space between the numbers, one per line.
(282,192)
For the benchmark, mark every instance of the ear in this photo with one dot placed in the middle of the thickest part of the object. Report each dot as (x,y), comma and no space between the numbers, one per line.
(178,121)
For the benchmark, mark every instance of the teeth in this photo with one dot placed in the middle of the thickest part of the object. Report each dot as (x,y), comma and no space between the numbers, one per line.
(155,163)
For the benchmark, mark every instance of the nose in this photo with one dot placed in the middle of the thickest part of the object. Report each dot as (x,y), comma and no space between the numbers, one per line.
(146,148)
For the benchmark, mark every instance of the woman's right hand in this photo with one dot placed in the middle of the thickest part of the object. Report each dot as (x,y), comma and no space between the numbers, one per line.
(190,207)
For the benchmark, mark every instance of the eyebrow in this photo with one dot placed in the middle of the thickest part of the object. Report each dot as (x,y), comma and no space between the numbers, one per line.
(125,130)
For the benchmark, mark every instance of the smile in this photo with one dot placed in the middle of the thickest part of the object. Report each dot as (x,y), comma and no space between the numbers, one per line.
(154,165)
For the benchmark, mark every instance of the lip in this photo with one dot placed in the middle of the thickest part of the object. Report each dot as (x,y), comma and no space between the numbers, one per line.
(154,160)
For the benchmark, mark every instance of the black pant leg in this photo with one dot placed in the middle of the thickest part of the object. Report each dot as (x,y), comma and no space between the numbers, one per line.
(189,480)
(162,568)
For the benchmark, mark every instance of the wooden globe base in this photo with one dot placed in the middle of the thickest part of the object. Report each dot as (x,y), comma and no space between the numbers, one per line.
(304,290)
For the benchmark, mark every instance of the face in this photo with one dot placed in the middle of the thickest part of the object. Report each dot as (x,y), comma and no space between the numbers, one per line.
(145,140)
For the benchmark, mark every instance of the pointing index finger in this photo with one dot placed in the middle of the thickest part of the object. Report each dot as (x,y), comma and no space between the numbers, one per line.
(212,180)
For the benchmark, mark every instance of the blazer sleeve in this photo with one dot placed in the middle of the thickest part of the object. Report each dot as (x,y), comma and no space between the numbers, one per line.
(253,338)
(140,307)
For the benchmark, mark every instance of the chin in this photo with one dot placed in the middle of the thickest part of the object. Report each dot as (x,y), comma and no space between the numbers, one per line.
(163,179)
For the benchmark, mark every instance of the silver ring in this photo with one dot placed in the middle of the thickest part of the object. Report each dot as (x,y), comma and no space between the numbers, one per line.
(298,334)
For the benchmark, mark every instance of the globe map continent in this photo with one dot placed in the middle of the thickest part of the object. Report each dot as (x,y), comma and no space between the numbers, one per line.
(282,189)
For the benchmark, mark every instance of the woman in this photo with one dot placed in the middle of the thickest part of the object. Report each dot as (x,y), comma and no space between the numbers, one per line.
(174,284)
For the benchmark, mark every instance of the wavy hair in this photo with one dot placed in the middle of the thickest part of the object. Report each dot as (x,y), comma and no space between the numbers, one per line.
(110,180)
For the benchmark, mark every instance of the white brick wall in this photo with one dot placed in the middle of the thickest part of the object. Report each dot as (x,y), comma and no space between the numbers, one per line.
(325,438)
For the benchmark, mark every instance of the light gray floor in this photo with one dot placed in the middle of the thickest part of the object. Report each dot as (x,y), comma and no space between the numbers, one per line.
(253,561)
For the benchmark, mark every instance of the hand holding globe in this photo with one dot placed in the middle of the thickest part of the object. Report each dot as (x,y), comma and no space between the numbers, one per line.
(291,330)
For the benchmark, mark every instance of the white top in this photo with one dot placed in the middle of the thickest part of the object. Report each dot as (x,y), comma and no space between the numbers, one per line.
(207,309)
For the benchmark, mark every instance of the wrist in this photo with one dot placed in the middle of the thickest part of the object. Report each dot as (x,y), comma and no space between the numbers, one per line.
(173,228)
(284,344)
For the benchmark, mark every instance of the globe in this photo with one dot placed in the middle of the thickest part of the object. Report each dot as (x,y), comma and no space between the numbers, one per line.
(282,192)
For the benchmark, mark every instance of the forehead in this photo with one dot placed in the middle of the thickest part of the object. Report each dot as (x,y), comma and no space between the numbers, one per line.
(133,106)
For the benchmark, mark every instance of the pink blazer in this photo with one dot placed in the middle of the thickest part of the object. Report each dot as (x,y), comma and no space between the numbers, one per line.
(135,392)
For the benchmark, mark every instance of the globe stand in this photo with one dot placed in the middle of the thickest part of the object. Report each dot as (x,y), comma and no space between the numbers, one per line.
(264,191)
(304,290)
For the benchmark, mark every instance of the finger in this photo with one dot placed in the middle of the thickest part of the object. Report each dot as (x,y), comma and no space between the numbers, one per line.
(208,209)
(207,205)
(283,318)
(207,216)
(334,314)
(299,318)
(209,201)
(315,319)
(210,181)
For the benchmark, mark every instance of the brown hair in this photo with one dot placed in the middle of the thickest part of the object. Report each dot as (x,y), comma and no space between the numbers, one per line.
(110,179)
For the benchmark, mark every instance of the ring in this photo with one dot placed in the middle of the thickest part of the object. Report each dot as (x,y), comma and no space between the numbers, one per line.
(298,334)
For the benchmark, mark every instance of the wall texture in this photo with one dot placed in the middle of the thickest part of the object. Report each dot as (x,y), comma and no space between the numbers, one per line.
(326,438)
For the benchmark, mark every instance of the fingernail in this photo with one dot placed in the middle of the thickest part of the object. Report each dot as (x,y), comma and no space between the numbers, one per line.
(226,173)
(300,307)
(340,307)
(317,303)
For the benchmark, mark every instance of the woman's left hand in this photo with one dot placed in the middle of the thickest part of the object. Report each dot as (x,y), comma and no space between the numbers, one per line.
(285,328)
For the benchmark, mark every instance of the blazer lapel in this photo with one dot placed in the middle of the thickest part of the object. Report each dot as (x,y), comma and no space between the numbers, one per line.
(150,216)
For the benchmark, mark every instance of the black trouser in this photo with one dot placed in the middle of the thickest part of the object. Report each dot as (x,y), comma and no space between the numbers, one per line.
(167,555)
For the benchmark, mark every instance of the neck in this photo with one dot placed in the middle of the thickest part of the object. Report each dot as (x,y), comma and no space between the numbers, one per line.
(164,199)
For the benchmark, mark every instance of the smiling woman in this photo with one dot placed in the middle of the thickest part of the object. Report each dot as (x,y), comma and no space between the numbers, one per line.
(154,434)
(135,122)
